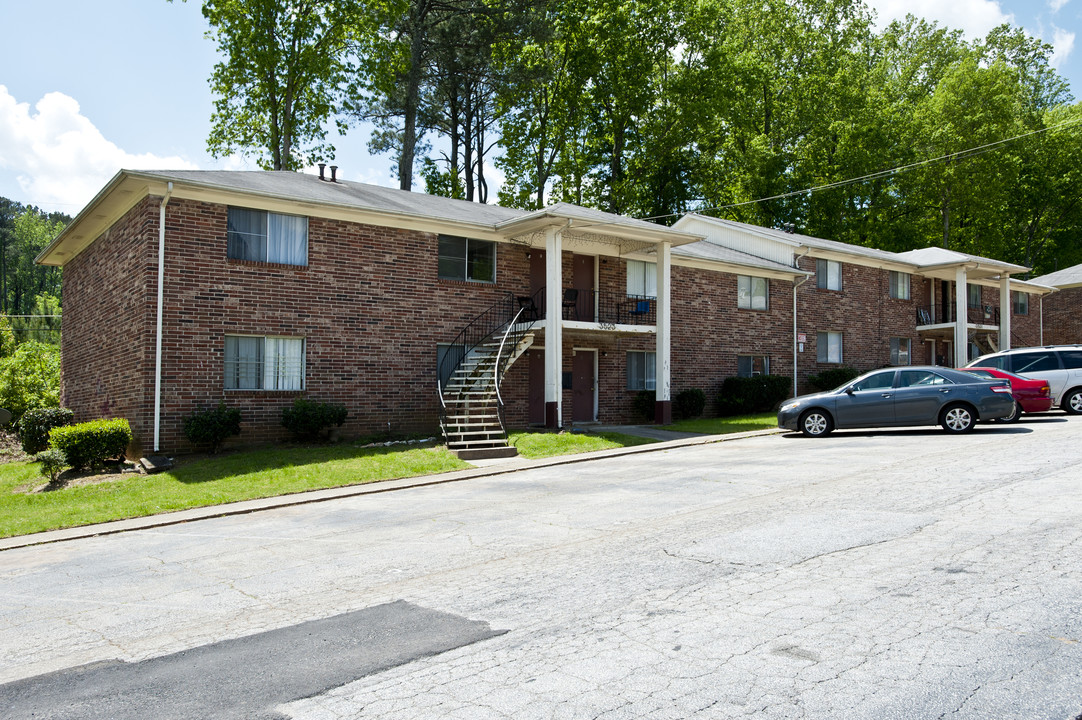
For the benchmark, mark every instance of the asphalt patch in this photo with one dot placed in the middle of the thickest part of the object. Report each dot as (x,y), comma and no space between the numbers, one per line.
(245,677)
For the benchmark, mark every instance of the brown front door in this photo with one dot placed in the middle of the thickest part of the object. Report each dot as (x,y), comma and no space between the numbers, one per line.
(537,387)
(583,382)
(583,281)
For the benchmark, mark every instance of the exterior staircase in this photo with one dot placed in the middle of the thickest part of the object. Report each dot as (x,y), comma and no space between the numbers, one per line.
(471,414)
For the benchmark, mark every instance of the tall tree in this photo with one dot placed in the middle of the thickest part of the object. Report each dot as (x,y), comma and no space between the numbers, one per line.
(279,81)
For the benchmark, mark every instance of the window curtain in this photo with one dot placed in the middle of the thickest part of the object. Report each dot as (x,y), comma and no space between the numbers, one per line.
(247,234)
(641,279)
(287,239)
(284,367)
(243,362)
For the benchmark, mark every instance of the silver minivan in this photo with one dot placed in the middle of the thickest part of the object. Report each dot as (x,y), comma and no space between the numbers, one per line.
(1060,365)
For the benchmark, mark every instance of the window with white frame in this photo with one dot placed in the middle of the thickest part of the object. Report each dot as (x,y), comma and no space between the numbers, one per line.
(267,237)
(752,292)
(641,279)
(973,296)
(752,365)
(1020,302)
(828,275)
(899,351)
(641,370)
(828,347)
(264,363)
(467,259)
(899,285)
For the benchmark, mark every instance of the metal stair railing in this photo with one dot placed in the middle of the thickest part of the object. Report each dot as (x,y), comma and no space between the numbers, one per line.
(516,332)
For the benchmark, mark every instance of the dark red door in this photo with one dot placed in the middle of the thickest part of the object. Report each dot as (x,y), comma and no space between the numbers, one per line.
(537,387)
(583,278)
(583,383)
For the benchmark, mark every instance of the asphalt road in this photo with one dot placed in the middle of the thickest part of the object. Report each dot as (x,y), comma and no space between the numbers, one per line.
(896,574)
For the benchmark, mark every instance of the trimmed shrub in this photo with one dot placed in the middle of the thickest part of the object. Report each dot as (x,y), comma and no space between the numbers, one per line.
(832,378)
(92,444)
(643,405)
(689,403)
(53,462)
(34,427)
(307,419)
(211,427)
(746,395)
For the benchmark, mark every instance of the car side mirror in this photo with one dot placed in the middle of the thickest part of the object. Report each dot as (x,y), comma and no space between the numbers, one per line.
(849,390)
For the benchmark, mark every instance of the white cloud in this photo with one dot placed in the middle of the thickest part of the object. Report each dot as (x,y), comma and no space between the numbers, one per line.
(59,158)
(974,17)
(1057,5)
(1063,42)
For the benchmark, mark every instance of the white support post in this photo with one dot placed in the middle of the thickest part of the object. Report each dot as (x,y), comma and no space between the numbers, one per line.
(554,336)
(961,320)
(663,389)
(1005,309)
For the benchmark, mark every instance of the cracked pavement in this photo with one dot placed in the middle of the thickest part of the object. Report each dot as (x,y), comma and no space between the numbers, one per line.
(894,574)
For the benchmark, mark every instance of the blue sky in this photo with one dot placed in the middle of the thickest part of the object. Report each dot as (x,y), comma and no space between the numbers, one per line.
(87,88)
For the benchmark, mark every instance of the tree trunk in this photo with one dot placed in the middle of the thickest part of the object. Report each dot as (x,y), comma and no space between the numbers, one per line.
(418,19)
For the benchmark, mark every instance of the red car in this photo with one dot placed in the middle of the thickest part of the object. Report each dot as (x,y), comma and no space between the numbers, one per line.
(1029,395)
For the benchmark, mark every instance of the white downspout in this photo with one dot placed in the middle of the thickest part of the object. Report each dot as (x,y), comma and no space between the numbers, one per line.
(796,348)
(161,302)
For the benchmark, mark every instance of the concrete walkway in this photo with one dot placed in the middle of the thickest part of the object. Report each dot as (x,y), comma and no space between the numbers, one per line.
(482,468)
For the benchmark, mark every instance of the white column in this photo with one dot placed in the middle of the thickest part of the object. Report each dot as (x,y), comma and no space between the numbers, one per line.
(1005,309)
(662,368)
(961,324)
(554,335)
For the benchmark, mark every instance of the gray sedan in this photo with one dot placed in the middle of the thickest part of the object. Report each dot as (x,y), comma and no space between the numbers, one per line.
(894,397)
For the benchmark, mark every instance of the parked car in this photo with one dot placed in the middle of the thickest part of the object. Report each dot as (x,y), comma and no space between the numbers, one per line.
(893,397)
(1060,365)
(1030,395)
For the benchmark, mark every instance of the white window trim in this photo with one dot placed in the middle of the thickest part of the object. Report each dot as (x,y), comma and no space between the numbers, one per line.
(649,373)
(822,280)
(819,348)
(466,267)
(268,241)
(262,374)
(641,279)
(749,302)
(899,285)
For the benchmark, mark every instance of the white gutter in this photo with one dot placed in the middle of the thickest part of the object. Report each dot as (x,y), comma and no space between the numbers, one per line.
(161,298)
(796,284)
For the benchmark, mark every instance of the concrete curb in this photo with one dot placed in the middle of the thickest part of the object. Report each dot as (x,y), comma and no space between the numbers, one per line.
(245,507)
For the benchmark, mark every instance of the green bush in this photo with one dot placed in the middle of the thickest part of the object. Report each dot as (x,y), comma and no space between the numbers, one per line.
(307,419)
(92,444)
(832,378)
(53,462)
(746,395)
(643,405)
(30,378)
(34,427)
(211,427)
(689,403)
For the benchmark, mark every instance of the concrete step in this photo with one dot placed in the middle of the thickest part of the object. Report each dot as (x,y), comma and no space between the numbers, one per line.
(485,453)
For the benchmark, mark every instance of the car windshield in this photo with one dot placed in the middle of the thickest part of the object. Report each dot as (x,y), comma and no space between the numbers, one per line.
(981,373)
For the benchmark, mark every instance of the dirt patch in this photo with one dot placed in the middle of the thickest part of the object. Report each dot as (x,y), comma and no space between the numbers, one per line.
(11,450)
(78,478)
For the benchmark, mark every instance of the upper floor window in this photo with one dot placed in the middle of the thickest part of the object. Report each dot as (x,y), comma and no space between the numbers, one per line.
(752,292)
(899,285)
(1020,302)
(264,363)
(267,237)
(973,296)
(641,278)
(828,275)
(467,259)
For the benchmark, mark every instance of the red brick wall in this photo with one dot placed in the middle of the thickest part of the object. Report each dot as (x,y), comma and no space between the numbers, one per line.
(1062,316)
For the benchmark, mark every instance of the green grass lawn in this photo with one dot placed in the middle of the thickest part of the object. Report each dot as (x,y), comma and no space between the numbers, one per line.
(210,481)
(534,445)
(722,426)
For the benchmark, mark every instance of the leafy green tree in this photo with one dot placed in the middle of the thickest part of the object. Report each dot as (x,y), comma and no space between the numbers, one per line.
(279,81)
(30,378)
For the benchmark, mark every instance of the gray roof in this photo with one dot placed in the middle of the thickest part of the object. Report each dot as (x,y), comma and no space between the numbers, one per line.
(1067,277)
(309,188)
(706,250)
(811,242)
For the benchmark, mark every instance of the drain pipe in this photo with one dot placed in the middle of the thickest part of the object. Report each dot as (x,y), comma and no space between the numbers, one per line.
(796,284)
(161,296)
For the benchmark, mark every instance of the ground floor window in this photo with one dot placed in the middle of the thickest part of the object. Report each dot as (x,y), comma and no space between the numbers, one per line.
(641,371)
(254,362)
(899,351)
(752,365)
(829,347)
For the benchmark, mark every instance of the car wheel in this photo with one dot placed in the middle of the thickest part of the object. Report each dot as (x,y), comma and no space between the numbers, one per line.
(816,423)
(957,419)
(1073,402)
(1013,417)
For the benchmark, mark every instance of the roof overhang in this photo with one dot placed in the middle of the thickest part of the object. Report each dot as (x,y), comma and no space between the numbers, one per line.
(628,234)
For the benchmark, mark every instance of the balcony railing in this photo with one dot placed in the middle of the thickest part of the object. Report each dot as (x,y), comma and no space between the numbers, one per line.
(593,306)
(932,315)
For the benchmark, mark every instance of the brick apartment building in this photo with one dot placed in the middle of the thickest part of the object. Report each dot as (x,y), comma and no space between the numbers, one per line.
(1061,312)
(182,289)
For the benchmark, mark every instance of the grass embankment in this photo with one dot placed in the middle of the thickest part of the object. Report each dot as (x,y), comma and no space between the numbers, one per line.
(542,445)
(206,481)
(725,425)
